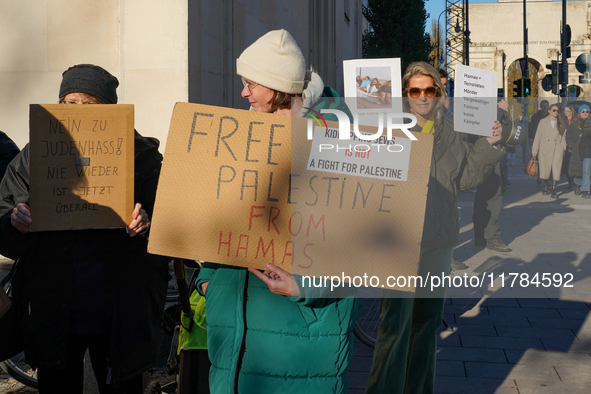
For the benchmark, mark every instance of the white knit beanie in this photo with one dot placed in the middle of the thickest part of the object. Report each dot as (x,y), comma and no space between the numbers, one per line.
(274,61)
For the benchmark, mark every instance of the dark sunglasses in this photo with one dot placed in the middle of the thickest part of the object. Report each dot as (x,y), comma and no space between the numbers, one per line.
(554,110)
(584,111)
(431,91)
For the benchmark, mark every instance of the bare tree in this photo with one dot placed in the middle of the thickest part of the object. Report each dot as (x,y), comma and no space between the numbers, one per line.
(436,39)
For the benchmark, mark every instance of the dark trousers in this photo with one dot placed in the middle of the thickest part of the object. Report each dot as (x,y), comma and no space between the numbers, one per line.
(406,348)
(71,379)
(487,207)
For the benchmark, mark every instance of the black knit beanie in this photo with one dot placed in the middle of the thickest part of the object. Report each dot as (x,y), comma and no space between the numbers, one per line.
(90,79)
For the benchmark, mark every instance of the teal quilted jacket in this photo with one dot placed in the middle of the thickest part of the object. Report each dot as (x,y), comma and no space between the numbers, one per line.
(261,342)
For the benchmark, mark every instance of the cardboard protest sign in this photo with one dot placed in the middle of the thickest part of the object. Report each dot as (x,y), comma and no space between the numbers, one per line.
(81,166)
(475,104)
(237,188)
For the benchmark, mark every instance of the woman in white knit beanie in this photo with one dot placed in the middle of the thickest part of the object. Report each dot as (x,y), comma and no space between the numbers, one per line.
(265,333)
(275,78)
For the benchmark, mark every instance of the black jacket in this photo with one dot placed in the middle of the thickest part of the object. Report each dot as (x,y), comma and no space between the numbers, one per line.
(8,150)
(585,147)
(87,281)
(573,137)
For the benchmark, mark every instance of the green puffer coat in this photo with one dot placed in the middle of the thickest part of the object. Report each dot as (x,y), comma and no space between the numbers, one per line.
(454,168)
(273,343)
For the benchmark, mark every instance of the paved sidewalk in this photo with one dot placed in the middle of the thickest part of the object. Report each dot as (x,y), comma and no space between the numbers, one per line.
(517,340)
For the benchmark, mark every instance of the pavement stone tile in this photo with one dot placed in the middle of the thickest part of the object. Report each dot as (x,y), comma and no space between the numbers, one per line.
(519,292)
(559,345)
(465,301)
(488,370)
(494,342)
(521,322)
(574,373)
(543,387)
(474,329)
(531,332)
(360,364)
(459,385)
(541,357)
(470,354)
(552,304)
(463,292)
(461,309)
(511,371)
(565,345)
(357,380)
(508,302)
(450,368)
(541,322)
(581,346)
(527,312)
(450,318)
(447,338)
(574,313)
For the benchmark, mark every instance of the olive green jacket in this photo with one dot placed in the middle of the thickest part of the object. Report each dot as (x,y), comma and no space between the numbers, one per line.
(455,167)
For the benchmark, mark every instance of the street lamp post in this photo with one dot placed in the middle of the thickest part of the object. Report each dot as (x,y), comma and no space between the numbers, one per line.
(439,57)
(467,37)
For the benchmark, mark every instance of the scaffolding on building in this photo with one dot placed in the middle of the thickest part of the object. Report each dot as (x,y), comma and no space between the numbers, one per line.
(455,27)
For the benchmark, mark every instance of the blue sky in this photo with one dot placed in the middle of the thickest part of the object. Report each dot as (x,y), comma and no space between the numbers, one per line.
(436,7)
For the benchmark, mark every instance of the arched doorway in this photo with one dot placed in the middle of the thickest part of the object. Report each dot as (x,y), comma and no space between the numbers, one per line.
(514,73)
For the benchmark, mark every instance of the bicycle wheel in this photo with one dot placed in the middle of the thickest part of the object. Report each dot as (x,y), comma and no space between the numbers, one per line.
(368,316)
(20,371)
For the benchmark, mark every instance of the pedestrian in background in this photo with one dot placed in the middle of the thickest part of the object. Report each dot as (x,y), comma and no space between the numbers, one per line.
(87,289)
(8,150)
(406,346)
(265,333)
(488,200)
(585,155)
(573,137)
(549,146)
(570,116)
(533,127)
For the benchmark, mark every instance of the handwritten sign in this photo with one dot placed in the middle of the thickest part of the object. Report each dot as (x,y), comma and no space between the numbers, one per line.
(248,199)
(475,104)
(81,165)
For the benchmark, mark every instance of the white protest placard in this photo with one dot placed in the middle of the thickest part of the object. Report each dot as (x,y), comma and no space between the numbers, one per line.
(382,158)
(372,87)
(475,104)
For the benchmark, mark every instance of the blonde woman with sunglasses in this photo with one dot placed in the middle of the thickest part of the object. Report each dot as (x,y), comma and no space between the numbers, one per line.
(405,351)
(549,146)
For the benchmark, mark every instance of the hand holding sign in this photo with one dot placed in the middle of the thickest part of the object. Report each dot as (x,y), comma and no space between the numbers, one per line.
(21,218)
(140,222)
(279,281)
(497,133)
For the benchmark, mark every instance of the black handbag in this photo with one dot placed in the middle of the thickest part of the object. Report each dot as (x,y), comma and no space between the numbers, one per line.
(11,332)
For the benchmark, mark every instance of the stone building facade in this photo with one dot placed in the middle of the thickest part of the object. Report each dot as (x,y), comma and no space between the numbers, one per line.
(496,37)
(162,51)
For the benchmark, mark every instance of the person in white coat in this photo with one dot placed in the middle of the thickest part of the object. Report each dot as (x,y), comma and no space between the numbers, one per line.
(549,146)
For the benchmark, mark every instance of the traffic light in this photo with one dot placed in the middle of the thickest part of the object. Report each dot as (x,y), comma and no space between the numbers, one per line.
(526,87)
(518,91)
(554,82)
